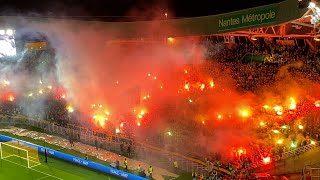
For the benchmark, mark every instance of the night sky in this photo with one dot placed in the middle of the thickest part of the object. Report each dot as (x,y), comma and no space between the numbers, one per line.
(126,10)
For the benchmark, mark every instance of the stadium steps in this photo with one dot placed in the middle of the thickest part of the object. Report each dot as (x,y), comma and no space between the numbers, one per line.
(102,154)
(293,165)
(288,154)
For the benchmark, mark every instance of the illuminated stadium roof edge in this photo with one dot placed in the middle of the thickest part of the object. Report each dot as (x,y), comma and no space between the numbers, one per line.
(274,20)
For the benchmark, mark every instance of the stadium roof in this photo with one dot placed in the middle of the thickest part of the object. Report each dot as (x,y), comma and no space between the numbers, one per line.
(125,10)
(275,20)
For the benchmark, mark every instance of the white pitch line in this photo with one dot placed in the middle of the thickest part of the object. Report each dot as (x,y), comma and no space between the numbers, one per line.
(34,170)
(7,156)
(174,178)
(42,177)
(27,160)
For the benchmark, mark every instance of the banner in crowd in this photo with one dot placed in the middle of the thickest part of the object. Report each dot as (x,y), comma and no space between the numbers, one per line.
(286,42)
(76,160)
(254,58)
(36,45)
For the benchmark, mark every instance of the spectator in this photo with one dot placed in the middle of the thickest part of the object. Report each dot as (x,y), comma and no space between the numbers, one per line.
(114,165)
(142,173)
(96,144)
(117,164)
(125,162)
(129,150)
(150,171)
(175,166)
(121,148)
(139,169)
(71,141)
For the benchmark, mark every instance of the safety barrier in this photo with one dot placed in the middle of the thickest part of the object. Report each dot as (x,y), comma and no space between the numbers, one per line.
(289,154)
(85,137)
(76,160)
(101,134)
(186,163)
(112,143)
(88,137)
(310,173)
(298,151)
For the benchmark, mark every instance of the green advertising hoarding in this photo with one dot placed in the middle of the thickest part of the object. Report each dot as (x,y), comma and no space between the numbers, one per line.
(247,19)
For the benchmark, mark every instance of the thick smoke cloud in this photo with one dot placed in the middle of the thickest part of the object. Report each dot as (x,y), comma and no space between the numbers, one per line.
(94,69)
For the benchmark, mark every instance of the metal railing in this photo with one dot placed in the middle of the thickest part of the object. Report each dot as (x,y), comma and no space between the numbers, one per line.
(298,151)
(185,163)
(89,138)
(112,143)
(289,154)
(310,173)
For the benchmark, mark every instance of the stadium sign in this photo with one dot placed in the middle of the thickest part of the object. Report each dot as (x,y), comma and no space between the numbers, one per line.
(247,19)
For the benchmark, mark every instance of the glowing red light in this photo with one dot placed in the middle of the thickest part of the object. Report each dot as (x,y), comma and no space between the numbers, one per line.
(241,152)
(10,98)
(267,160)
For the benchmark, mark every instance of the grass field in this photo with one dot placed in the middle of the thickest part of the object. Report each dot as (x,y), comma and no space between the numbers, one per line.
(52,146)
(55,147)
(16,168)
(52,161)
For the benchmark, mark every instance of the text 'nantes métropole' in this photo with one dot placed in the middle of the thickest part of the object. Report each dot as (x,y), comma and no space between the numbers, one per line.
(248,18)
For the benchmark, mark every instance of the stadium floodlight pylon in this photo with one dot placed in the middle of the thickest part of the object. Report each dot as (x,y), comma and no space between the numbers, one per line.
(18,153)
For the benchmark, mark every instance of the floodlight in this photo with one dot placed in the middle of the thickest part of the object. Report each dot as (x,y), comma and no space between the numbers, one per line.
(316,39)
(253,38)
(9,32)
(2,32)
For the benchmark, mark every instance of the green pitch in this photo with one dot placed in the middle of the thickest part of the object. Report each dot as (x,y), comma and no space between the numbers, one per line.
(15,168)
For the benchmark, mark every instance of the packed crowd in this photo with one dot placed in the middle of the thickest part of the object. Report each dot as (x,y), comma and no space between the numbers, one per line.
(253,66)
(257,63)
(299,60)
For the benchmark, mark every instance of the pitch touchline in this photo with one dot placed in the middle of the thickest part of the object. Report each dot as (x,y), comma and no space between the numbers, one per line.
(33,169)
(42,177)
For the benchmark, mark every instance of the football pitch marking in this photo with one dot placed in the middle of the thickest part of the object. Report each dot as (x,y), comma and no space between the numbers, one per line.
(174,178)
(47,175)
(22,158)
(42,177)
